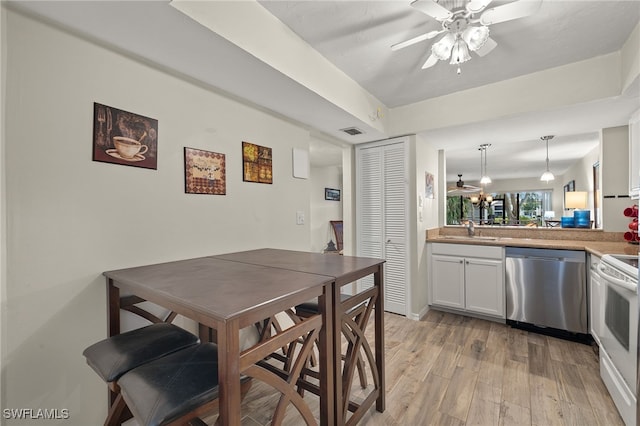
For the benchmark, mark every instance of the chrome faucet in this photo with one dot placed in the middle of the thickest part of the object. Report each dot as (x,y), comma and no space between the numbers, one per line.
(470,228)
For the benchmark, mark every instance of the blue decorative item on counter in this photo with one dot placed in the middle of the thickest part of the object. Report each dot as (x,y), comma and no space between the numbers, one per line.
(567,222)
(582,218)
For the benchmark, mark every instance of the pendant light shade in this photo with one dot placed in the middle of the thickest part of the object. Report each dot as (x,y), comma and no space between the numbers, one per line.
(460,52)
(442,49)
(547,175)
(475,37)
(485,179)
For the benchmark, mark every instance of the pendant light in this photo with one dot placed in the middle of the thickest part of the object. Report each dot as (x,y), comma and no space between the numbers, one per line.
(485,179)
(547,175)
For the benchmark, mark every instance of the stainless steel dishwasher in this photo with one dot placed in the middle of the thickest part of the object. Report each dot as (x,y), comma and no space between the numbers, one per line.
(547,288)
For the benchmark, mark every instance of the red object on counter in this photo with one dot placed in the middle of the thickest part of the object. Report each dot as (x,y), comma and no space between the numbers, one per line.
(631,211)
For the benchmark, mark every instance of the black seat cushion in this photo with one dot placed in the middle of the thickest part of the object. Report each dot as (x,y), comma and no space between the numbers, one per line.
(170,387)
(311,307)
(113,357)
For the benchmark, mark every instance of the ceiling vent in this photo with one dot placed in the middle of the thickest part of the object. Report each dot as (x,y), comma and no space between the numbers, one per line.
(352,131)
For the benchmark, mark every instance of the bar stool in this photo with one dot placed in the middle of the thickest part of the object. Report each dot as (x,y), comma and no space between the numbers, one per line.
(310,308)
(116,355)
(176,389)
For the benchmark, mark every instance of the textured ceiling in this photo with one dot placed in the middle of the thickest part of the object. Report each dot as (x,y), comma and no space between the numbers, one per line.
(356,36)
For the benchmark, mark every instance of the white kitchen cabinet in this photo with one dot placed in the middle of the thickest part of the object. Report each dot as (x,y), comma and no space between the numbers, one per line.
(596,299)
(484,286)
(468,278)
(448,279)
(634,155)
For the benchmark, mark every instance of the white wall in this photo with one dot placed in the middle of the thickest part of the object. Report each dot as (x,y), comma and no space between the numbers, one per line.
(69,218)
(426,160)
(322,211)
(3,228)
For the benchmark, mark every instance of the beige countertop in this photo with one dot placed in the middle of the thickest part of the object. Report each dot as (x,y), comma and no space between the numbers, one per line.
(598,243)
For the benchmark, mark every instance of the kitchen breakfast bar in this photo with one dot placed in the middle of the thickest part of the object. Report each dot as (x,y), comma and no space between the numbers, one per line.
(233,291)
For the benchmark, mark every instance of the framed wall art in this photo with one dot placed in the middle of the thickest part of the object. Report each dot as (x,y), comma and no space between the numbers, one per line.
(204,172)
(428,185)
(123,137)
(332,194)
(256,163)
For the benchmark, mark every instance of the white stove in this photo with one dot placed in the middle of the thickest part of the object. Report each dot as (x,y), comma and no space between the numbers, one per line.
(626,263)
(619,340)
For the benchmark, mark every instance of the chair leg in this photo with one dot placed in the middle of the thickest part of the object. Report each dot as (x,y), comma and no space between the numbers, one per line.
(115,412)
(361,373)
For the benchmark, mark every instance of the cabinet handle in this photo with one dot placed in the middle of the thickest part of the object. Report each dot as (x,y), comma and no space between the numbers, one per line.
(461,261)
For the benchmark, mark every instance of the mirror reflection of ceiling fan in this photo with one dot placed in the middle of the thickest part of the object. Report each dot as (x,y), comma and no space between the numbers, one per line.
(466,27)
(462,189)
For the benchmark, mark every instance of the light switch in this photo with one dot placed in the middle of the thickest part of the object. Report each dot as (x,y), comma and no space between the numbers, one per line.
(300,217)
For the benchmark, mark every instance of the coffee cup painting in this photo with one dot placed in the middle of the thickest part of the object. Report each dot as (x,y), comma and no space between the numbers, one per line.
(122,137)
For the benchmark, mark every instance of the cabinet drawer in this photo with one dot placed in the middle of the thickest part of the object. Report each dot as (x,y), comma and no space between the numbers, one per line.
(468,250)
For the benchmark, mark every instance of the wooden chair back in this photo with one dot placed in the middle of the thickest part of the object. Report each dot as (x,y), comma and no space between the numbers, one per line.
(336,225)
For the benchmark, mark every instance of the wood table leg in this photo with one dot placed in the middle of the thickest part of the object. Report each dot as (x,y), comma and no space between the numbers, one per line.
(113,309)
(229,373)
(326,355)
(378,280)
(113,323)
(336,355)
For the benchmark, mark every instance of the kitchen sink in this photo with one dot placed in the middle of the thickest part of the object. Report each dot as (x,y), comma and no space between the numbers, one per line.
(465,237)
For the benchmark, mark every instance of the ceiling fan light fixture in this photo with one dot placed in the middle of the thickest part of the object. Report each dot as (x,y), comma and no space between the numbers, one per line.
(459,52)
(442,49)
(475,37)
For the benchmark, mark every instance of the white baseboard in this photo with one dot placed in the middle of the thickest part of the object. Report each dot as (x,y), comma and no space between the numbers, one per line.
(420,315)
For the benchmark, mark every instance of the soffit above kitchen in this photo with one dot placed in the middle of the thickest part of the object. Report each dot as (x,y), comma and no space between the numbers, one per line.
(355,38)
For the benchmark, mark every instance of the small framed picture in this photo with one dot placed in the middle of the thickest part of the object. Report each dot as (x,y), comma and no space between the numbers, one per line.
(123,137)
(204,172)
(257,163)
(332,194)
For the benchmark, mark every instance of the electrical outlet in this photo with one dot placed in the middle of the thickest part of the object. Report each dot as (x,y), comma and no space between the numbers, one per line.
(300,217)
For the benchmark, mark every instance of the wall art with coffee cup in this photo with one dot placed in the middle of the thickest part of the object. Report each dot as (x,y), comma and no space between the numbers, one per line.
(256,163)
(123,137)
(204,172)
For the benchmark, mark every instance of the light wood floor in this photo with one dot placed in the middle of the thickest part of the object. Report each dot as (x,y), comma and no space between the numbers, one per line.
(453,370)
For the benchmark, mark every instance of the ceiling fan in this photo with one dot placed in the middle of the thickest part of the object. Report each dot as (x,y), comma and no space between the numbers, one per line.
(462,189)
(466,26)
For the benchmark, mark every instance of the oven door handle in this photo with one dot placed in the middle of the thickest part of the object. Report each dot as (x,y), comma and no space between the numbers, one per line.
(617,281)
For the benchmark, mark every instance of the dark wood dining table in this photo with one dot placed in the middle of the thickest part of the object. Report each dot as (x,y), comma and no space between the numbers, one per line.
(343,270)
(228,296)
(232,291)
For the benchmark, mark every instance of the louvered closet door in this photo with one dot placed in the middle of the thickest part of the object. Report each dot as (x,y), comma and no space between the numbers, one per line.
(382,218)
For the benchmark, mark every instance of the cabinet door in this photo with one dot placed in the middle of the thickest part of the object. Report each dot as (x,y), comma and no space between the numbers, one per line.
(447,281)
(484,291)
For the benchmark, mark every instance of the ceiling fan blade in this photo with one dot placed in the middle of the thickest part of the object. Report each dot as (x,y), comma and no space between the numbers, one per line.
(431,61)
(432,9)
(507,12)
(488,46)
(466,190)
(475,6)
(415,40)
